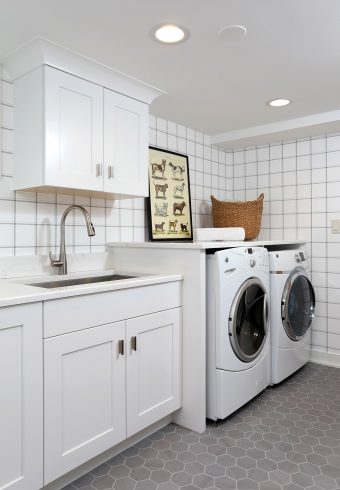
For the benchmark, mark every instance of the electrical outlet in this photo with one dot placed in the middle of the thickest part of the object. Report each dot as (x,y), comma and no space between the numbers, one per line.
(335,225)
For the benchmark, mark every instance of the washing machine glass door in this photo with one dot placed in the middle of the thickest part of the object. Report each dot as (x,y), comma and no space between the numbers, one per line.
(248,320)
(298,304)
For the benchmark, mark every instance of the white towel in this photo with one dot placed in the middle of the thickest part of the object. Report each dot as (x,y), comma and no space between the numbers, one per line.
(218,234)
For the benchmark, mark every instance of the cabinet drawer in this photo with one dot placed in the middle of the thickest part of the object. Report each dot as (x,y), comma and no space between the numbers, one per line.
(77,313)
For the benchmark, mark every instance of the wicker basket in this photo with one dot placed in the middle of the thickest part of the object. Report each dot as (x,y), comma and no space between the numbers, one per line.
(244,214)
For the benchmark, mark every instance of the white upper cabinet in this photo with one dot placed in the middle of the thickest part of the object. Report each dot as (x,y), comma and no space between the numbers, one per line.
(125,144)
(78,124)
(74,131)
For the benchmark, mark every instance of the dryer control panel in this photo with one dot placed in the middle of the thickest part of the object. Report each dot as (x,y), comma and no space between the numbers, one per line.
(286,260)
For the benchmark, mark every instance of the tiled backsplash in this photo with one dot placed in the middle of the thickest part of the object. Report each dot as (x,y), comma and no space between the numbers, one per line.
(301,183)
(29,222)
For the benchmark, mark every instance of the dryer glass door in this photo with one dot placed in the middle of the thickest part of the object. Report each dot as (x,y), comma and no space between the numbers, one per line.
(248,320)
(298,304)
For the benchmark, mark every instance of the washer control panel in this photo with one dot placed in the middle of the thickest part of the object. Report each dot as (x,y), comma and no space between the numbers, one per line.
(242,258)
(257,258)
(300,257)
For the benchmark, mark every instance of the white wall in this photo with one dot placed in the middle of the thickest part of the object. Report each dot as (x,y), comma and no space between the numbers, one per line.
(29,222)
(301,183)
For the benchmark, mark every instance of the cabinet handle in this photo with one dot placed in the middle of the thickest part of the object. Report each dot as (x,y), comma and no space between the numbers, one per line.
(99,170)
(110,171)
(134,343)
(121,347)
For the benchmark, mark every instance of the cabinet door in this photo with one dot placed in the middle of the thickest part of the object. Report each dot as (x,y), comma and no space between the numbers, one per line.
(153,368)
(74,131)
(125,145)
(84,381)
(21,398)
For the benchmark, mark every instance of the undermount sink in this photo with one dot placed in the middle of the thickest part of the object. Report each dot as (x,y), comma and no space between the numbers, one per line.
(79,281)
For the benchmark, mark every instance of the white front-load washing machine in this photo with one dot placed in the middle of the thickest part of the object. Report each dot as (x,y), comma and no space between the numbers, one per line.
(292,307)
(238,340)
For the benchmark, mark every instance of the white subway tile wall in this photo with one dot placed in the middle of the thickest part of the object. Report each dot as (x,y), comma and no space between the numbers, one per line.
(29,222)
(300,180)
(301,183)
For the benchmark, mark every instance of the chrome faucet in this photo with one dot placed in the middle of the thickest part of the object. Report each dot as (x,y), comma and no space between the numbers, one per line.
(61,262)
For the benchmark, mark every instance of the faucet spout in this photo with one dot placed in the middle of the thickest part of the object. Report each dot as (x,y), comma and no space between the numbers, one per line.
(61,262)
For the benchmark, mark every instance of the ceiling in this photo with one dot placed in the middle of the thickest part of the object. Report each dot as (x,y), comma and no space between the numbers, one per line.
(292,50)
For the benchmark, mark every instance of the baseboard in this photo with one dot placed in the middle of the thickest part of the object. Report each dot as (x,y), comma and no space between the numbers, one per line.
(325,358)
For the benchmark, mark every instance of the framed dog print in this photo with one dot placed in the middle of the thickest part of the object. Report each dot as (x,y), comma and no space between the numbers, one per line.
(169,202)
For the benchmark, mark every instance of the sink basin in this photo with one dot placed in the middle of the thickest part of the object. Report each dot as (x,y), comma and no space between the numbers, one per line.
(79,281)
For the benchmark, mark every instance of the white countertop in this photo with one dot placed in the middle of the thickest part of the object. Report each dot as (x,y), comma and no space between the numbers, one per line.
(14,291)
(206,245)
(17,273)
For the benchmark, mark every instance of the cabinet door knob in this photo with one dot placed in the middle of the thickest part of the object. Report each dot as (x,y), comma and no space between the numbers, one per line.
(99,170)
(121,347)
(134,343)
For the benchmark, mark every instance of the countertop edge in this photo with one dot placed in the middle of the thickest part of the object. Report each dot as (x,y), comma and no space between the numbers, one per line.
(33,294)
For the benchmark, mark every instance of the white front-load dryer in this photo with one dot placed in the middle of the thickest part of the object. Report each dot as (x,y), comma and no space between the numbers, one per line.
(238,339)
(291,312)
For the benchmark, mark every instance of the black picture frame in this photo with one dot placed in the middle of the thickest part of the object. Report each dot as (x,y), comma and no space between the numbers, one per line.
(169,202)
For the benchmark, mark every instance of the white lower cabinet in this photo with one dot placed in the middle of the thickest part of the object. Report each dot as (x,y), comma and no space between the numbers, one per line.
(153,368)
(21,397)
(84,396)
(105,383)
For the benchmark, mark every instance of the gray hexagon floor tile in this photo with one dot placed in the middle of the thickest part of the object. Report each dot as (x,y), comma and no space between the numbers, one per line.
(103,483)
(287,438)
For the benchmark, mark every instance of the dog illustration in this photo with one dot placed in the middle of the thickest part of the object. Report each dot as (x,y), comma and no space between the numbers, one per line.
(161,209)
(177,171)
(179,189)
(158,167)
(178,207)
(172,225)
(159,226)
(160,188)
(184,228)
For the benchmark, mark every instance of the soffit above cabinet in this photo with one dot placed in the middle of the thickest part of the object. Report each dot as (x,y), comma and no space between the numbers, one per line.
(40,51)
(291,129)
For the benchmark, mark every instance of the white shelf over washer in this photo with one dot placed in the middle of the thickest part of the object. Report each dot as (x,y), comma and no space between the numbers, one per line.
(208,245)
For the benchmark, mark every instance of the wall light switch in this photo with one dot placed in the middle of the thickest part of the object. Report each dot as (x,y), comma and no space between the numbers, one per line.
(335,225)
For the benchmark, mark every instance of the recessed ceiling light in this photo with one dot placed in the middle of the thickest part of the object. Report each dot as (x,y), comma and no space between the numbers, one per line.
(232,33)
(279,102)
(170,33)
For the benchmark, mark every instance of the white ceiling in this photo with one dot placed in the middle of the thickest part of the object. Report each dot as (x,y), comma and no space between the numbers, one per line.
(292,50)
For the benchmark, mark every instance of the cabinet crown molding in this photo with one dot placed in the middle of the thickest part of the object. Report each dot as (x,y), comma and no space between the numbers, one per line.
(40,51)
